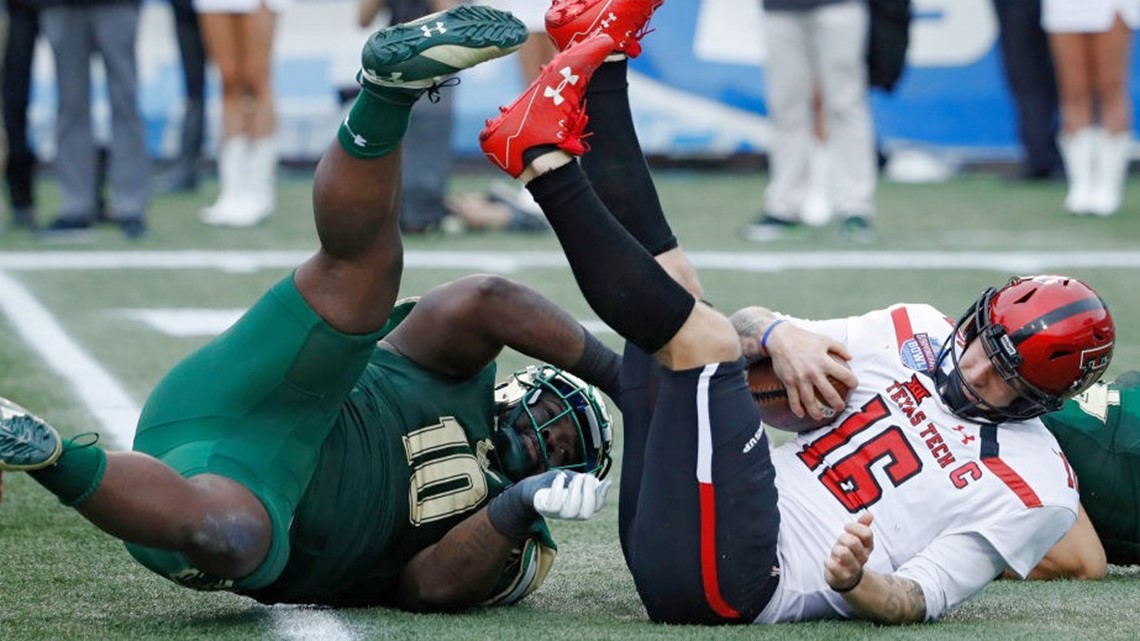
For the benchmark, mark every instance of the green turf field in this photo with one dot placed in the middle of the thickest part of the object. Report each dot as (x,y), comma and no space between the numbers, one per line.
(86,330)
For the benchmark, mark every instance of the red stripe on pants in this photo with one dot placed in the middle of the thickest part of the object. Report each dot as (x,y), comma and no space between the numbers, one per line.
(709,555)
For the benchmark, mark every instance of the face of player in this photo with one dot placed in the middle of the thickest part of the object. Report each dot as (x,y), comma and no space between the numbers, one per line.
(983,382)
(555,443)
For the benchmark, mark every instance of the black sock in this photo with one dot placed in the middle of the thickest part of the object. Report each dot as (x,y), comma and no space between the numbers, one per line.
(621,281)
(616,165)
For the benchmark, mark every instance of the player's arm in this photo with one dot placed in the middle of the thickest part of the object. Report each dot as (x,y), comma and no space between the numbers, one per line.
(459,327)
(463,568)
(457,571)
(884,598)
(802,359)
(1078,555)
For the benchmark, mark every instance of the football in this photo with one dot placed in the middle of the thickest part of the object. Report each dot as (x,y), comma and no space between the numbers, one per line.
(772,399)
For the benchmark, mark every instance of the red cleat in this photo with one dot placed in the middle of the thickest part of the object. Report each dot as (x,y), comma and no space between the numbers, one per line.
(569,21)
(550,111)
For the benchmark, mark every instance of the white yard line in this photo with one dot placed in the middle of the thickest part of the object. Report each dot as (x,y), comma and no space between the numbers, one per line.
(300,623)
(103,396)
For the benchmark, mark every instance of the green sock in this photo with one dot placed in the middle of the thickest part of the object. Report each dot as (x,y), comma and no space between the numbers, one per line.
(77,472)
(377,122)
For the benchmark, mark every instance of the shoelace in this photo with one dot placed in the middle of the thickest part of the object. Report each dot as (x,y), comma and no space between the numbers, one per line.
(577,128)
(433,91)
(79,441)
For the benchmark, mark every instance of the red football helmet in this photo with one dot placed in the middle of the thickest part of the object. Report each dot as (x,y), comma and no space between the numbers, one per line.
(1049,337)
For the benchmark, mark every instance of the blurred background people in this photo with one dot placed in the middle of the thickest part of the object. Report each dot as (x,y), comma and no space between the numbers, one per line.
(239,40)
(818,43)
(76,30)
(16,88)
(3,138)
(1028,67)
(182,174)
(1091,42)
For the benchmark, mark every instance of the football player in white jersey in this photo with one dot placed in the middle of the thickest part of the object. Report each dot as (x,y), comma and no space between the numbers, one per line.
(938,452)
(935,475)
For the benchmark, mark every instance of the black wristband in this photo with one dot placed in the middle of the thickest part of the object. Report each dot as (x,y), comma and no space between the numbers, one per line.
(858,580)
(511,514)
(598,365)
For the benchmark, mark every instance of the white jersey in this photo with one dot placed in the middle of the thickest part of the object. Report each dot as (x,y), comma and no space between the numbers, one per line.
(954,502)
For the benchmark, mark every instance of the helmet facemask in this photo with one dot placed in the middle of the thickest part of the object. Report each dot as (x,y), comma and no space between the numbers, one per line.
(579,403)
(1050,329)
(952,386)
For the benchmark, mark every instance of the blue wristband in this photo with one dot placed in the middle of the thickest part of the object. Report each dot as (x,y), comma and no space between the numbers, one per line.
(767,333)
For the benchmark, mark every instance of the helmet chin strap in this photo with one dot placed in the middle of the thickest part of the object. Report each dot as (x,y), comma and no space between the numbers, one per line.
(952,389)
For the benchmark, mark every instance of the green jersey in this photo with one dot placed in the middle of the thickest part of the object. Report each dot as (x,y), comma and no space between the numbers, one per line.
(360,457)
(405,463)
(1099,432)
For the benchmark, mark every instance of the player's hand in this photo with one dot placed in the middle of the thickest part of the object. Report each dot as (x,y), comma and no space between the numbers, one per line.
(803,360)
(571,495)
(557,494)
(843,569)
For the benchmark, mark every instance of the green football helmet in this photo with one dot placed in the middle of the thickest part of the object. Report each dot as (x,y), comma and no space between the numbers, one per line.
(581,402)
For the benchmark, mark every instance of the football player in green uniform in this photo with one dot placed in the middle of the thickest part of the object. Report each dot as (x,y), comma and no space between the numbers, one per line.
(335,447)
(1099,432)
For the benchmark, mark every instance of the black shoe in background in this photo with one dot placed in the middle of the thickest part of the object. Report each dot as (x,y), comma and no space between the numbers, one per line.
(133,227)
(68,229)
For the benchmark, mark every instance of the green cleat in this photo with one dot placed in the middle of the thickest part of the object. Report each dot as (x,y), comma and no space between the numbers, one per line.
(417,55)
(26,442)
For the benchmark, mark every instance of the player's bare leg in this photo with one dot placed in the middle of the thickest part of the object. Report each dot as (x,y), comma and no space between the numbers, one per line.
(353,280)
(215,522)
(218,524)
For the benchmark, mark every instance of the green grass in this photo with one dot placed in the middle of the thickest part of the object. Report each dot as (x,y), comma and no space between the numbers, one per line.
(62,579)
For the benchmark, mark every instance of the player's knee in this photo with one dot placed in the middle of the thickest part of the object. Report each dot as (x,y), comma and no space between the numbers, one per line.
(227,545)
(230,534)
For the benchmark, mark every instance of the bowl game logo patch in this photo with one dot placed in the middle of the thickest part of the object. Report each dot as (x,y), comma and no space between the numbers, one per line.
(920,352)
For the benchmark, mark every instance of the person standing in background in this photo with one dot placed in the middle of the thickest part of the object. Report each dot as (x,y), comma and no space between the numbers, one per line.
(239,39)
(77,29)
(3,141)
(819,43)
(1028,70)
(1091,43)
(16,83)
(183,174)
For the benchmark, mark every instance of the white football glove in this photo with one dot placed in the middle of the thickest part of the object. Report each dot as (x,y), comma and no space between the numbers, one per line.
(571,496)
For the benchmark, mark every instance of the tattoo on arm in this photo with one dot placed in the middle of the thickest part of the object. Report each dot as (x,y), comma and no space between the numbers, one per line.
(905,602)
(749,324)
